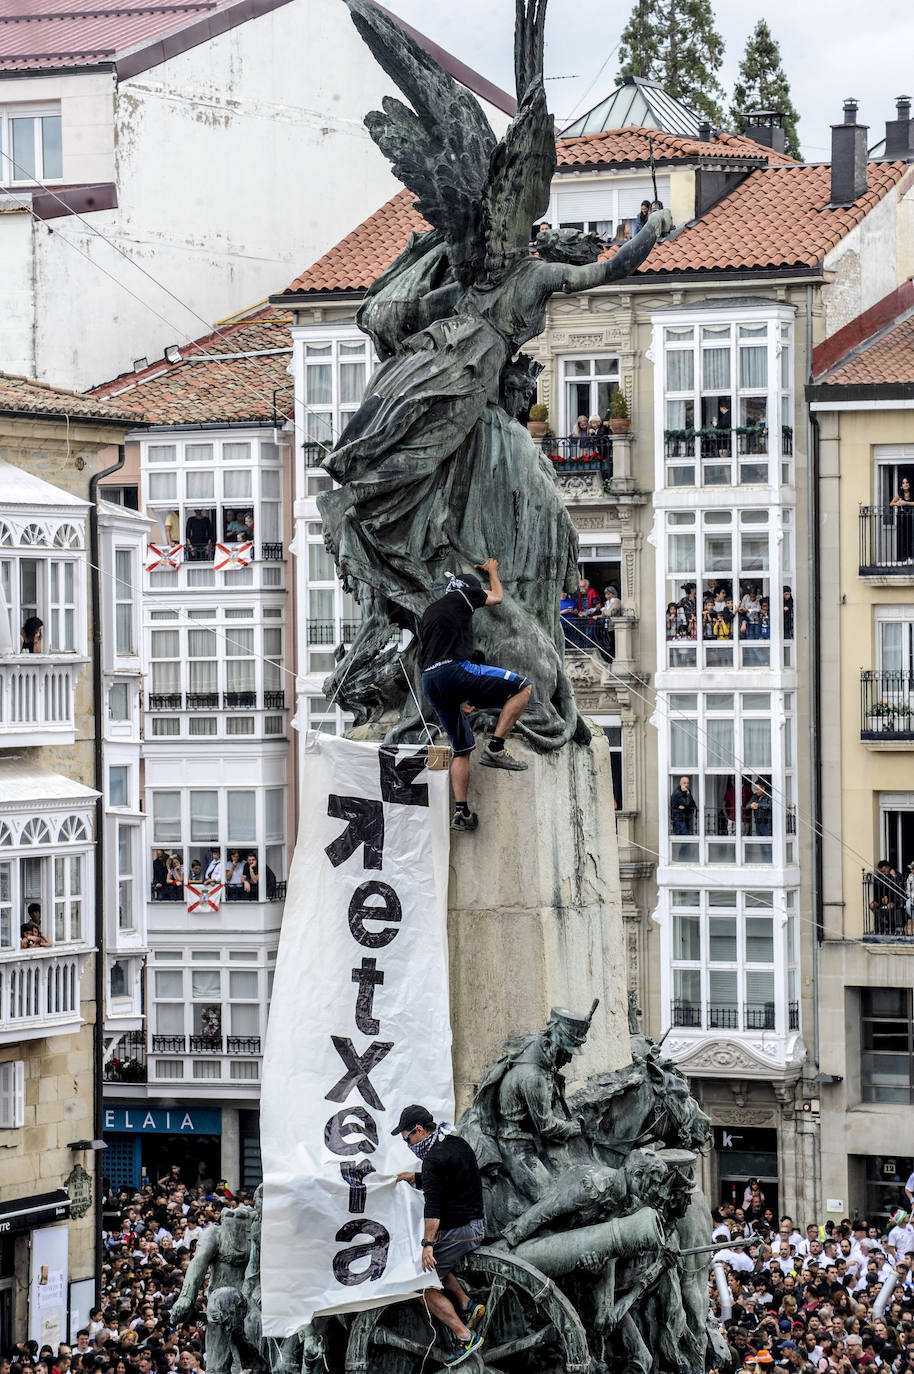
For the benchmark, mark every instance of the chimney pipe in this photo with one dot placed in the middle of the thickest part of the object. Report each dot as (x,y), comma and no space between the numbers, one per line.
(767,127)
(848,157)
(704,131)
(899,133)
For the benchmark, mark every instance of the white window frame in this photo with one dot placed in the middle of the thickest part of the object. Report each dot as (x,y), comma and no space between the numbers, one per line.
(11,175)
(125,602)
(12,1094)
(613,377)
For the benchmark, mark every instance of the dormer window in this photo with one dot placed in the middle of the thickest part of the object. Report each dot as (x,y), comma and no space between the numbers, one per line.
(31,144)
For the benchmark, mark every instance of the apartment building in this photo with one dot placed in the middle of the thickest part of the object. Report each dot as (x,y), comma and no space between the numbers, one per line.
(861,398)
(211,478)
(710,342)
(55,909)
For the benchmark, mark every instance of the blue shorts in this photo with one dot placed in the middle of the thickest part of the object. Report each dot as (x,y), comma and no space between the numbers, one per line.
(449,685)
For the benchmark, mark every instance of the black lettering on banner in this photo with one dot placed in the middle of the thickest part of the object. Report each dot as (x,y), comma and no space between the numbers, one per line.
(368,978)
(352,1131)
(375,1252)
(357,1070)
(398,777)
(366,827)
(360,912)
(354,1174)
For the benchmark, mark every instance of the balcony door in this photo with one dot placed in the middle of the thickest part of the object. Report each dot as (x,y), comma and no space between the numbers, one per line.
(896,462)
(897,840)
(895,645)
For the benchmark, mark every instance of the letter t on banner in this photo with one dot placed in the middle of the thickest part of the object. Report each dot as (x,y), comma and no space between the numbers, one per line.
(359,1028)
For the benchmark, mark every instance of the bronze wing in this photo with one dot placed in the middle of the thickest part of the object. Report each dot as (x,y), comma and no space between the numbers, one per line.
(441,148)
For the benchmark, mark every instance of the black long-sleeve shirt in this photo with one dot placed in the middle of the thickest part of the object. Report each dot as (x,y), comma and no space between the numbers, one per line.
(451,1183)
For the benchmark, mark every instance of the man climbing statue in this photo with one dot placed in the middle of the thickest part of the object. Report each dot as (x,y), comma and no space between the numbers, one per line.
(451,678)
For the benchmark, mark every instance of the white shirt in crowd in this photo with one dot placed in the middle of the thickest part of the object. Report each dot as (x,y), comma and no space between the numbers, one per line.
(901,1239)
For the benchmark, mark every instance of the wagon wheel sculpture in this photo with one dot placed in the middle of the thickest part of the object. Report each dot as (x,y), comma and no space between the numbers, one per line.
(529,1326)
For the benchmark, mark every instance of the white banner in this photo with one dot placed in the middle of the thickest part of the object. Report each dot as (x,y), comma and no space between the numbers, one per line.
(359,1028)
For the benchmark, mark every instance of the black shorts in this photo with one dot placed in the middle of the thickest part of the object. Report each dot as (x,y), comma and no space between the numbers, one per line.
(449,685)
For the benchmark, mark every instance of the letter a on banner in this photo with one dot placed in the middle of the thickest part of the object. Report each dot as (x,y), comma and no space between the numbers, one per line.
(359,1028)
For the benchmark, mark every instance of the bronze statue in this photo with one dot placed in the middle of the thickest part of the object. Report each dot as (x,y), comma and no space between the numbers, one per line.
(434,471)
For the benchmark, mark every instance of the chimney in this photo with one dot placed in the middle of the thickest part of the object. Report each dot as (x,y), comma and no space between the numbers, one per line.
(899,133)
(704,131)
(767,127)
(848,157)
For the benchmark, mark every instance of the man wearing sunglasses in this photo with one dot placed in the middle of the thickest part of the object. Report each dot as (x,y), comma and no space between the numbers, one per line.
(451,1184)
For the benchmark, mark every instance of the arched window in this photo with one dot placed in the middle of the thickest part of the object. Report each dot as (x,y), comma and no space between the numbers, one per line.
(6,535)
(118,980)
(33,534)
(72,829)
(67,537)
(6,835)
(35,831)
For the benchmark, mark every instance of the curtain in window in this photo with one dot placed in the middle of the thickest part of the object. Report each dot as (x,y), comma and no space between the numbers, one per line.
(203,676)
(352,383)
(198,453)
(275,813)
(241,817)
(169,1018)
(162,486)
(269,521)
(716,369)
(204,815)
(236,483)
(205,985)
(244,1020)
(166,677)
(687,985)
(891,644)
(757,743)
(680,370)
(166,818)
(164,644)
(720,744)
(684,744)
(236,453)
(240,675)
(753,367)
(200,486)
(318,385)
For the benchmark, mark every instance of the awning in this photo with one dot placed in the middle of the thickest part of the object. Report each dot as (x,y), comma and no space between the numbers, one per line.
(25,1213)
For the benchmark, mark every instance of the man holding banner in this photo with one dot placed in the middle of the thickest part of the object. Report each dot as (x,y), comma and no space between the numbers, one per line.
(454,1225)
(451,677)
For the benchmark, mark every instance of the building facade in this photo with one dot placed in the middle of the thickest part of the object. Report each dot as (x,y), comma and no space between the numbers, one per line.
(861,399)
(53,913)
(705,499)
(89,122)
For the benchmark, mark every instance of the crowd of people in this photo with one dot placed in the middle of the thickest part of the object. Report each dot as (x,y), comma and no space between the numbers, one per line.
(236,876)
(808,1301)
(587,620)
(150,1237)
(723,616)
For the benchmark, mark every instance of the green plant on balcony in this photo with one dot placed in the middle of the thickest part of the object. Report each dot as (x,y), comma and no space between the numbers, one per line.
(619,419)
(536,425)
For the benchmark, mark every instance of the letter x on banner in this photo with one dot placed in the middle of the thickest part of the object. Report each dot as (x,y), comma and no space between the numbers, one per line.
(204,896)
(359,1028)
(163,558)
(233,556)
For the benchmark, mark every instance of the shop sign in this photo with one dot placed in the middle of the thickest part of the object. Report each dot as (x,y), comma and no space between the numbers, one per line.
(27,1213)
(164,1120)
(79,1185)
(745,1140)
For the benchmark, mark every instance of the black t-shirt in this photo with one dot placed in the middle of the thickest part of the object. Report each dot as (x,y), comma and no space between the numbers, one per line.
(451,1183)
(446,629)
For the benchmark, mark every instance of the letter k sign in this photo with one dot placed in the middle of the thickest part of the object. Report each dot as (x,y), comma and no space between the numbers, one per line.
(727,1140)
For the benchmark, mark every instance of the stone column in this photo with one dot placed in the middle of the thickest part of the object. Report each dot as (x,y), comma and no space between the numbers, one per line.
(230,1155)
(535,910)
(623,479)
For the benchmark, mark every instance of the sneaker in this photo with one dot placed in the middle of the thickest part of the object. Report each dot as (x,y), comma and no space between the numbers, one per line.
(461,1349)
(465,820)
(502,760)
(473,1314)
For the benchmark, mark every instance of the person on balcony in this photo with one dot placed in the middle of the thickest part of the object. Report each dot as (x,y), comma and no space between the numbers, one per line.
(234,877)
(683,808)
(578,436)
(588,598)
(30,937)
(596,433)
(788,613)
(172,523)
(215,869)
(760,809)
(159,876)
(175,879)
(903,500)
(200,535)
(234,527)
(30,636)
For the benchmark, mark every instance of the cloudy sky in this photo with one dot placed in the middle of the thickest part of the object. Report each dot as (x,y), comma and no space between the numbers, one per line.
(829,50)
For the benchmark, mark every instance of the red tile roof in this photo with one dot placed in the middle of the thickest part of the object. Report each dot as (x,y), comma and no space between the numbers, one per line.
(41,34)
(887,360)
(778,217)
(863,329)
(214,383)
(23,396)
(628,147)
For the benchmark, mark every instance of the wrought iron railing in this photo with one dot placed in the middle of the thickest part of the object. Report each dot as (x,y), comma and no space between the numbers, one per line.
(127,1061)
(687,1014)
(886,541)
(243,1044)
(211,701)
(274,701)
(793,1016)
(332,632)
(886,915)
(580,455)
(887,705)
(206,1044)
(723,1017)
(272,552)
(760,1017)
(164,701)
(201,701)
(585,634)
(169,1044)
(239,700)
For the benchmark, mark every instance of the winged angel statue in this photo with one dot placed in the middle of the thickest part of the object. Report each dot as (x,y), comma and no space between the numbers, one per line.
(435,473)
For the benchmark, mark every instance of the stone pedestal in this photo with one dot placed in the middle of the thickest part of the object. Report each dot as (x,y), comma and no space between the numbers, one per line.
(534,910)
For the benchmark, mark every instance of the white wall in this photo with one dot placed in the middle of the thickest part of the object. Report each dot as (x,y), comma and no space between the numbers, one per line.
(237,164)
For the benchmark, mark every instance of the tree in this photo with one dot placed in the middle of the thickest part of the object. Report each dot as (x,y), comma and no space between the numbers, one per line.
(762,85)
(675,43)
